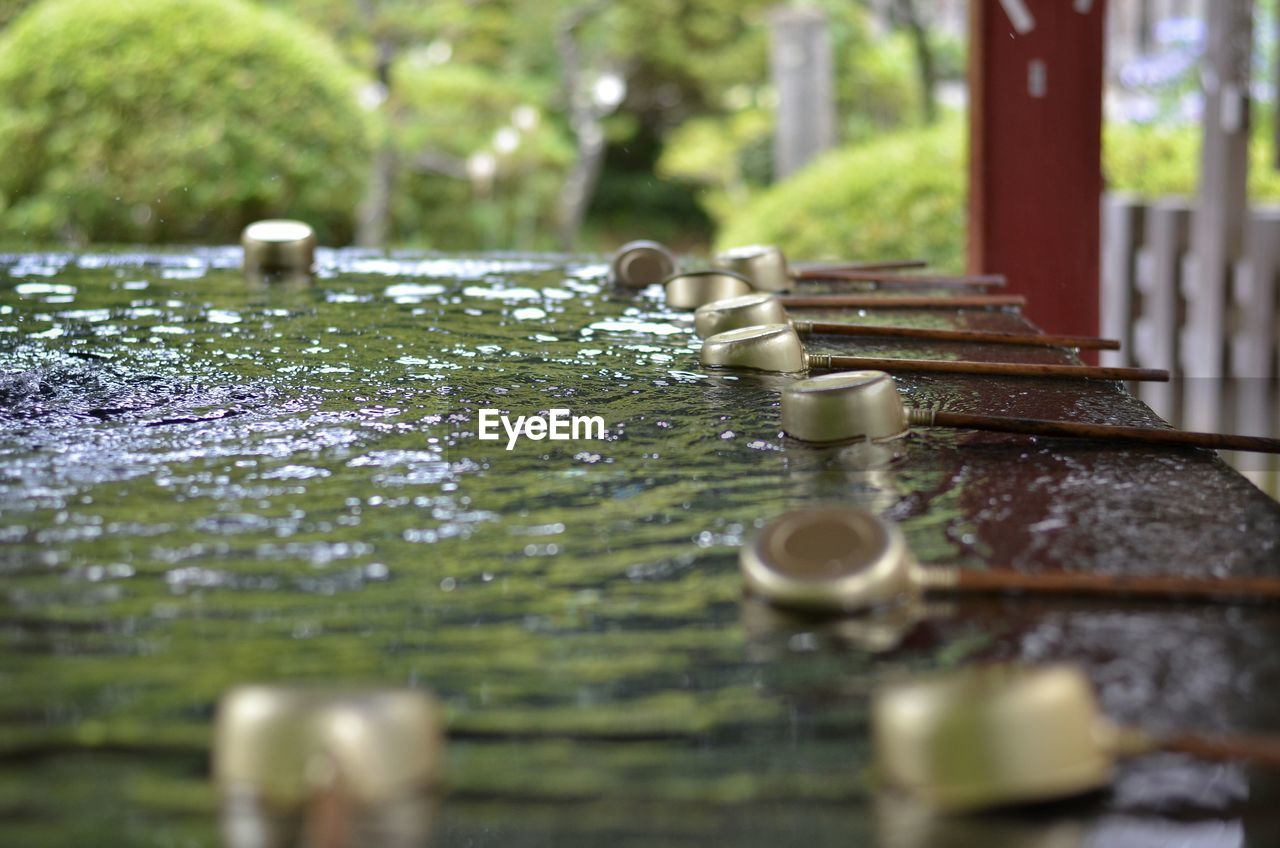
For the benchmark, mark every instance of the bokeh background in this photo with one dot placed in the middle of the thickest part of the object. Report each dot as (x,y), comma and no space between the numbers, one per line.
(512,124)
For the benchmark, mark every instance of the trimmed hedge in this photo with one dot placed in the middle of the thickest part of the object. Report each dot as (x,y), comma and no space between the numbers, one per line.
(900,196)
(172,121)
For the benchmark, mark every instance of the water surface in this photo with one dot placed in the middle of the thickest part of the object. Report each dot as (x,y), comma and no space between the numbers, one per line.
(205,482)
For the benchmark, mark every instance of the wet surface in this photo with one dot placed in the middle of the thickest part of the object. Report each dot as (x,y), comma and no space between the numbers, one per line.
(205,482)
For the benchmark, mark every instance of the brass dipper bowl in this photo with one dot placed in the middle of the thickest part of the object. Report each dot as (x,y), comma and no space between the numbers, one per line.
(764,266)
(285,745)
(734,313)
(767,347)
(278,245)
(694,288)
(639,263)
(830,559)
(844,406)
(1007,734)
(995,735)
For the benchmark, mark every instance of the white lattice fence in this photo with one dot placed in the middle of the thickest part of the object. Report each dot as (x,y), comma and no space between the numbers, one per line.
(1146,277)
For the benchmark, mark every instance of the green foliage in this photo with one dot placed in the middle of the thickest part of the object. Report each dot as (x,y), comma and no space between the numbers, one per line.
(9,10)
(950,56)
(173,120)
(718,153)
(902,195)
(135,122)
(877,89)
(683,55)
(441,115)
(728,153)
(1160,160)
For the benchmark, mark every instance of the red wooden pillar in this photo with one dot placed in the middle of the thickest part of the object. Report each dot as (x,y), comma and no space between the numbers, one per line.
(1035,143)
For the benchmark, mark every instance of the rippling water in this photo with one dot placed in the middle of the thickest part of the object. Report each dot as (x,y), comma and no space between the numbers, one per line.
(205,482)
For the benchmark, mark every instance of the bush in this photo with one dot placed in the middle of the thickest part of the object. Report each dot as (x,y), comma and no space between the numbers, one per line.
(1153,161)
(878,89)
(900,196)
(173,120)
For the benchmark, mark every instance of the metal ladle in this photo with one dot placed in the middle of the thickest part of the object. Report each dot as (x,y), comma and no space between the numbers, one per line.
(639,263)
(750,310)
(694,288)
(278,245)
(842,559)
(867,405)
(1007,734)
(766,267)
(777,347)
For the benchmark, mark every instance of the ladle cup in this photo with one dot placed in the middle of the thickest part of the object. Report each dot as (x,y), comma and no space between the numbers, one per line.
(639,263)
(278,246)
(767,269)
(866,405)
(694,288)
(1005,734)
(750,310)
(777,347)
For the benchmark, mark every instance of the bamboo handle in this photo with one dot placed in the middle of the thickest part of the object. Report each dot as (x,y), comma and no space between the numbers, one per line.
(1081,430)
(1006,369)
(1256,750)
(875,301)
(327,818)
(1256,589)
(823,272)
(890,278)
(976,336)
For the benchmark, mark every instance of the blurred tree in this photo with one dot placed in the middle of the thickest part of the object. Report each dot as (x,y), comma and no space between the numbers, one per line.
(727,151)
(907,15)
(446,81)
(482,165)
(9,10)
(634,119)
(616,80)
(172,120)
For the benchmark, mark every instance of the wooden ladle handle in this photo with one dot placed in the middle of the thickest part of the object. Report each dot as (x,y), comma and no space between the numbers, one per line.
(1081,430)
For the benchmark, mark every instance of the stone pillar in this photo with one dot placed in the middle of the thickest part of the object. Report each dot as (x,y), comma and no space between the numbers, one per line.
(801,66)
(1217,235)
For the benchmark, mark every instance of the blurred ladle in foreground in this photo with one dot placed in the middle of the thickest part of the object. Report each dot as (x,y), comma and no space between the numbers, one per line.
(1006,734)
(305,766)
